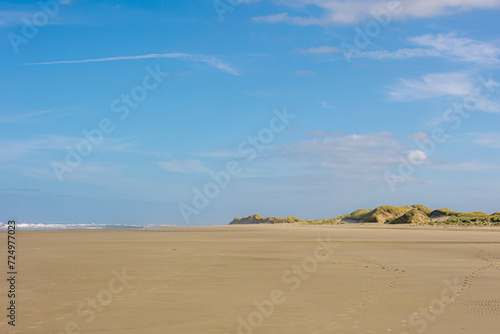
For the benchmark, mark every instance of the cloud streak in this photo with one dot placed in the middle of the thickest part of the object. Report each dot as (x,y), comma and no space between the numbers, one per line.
(347,155)
(460,85)
(490,140)
(15,15)
(432,86)
(184,166)
(447,46)
(325,49)
(25,117)
(473,166)
(335,12)
(210,60)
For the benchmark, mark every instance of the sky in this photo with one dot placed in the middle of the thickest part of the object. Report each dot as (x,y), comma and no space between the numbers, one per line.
(195,112)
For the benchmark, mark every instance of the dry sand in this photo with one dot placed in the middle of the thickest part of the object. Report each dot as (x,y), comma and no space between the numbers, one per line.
(207,280)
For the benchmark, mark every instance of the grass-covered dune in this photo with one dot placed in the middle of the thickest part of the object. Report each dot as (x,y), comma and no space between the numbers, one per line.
(413,214)
(258,219)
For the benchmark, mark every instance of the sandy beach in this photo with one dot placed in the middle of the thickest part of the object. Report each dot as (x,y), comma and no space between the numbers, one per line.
(259,279)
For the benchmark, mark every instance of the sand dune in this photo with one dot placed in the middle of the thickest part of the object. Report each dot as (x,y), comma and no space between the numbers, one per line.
(259,279)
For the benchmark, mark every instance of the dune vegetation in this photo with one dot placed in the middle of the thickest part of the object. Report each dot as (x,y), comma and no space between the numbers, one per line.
(258,219)
(413,214)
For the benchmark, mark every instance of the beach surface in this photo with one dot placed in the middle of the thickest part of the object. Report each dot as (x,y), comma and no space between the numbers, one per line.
(258,279)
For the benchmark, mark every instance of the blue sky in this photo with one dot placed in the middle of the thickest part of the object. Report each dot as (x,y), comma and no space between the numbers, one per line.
(316,107)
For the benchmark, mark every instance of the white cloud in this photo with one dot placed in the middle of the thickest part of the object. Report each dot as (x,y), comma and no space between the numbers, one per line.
(327,105)
(434,85)
(488,106)
(46,149)
(466,167)
(323,133)
(12,18)
(271,18)
(17,13)
(398,54)
(211,60)
(491,139)
(15,150)
(321,50)
(447,46)
(422,136)
(348,155)
(345,142)
(218,154)
(355,11)
(460,48)
(24,117)
(185,166)
(324,157)
(460,85)
(304,73)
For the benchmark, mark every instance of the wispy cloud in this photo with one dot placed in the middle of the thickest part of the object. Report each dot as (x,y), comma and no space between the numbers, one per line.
(422,136)
(24,117)
(185,166)
(332,155)
(336,154)
(19,190)
(274,18)
(488,106)
(347,154)
(326,105)
(347,142)
(304,73)
(15,14)
(52,147)
(334,12)
(325,49)
(210,60)
(398,54)
(454,84)
(473,166)
(18,150)
(433,85)
(218,154)
(12,18)
(460,48)
(490,139)
(447,46)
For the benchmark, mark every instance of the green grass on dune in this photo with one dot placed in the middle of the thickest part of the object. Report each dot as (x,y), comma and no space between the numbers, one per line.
(358,214)
(258,219)
(412,214)
(422,208)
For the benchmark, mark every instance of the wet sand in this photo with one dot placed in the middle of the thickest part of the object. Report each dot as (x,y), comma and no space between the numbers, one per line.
(258,279)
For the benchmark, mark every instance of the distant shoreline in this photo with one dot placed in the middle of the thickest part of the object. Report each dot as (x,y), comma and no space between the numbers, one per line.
(51,226)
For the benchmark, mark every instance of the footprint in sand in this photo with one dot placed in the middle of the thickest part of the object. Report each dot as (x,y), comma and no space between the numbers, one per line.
(481,307)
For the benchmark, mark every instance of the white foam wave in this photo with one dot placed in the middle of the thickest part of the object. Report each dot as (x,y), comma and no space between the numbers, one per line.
(42,226)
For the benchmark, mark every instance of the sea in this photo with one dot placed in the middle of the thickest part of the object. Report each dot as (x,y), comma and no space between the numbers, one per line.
(43,226)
